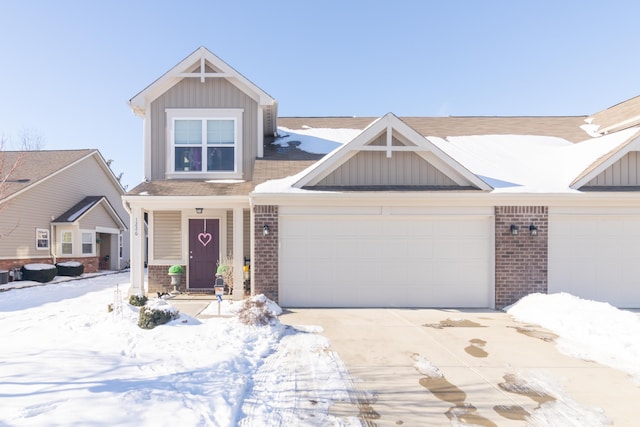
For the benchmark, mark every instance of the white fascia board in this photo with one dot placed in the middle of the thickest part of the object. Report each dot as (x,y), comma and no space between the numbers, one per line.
(461,198)
(182,202)
(143,99)
(388,123)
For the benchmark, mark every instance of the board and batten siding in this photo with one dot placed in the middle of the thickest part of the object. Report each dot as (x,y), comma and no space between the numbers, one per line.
(625,171)
(36,207)
(167,235)
(213,93)
(97,217)
(375,168)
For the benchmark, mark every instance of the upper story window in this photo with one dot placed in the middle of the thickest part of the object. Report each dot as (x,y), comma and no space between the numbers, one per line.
(205,142)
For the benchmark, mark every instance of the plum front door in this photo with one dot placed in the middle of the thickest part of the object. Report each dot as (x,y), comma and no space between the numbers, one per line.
(204,252)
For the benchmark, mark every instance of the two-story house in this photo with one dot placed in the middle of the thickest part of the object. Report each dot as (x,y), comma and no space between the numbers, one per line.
(406,212)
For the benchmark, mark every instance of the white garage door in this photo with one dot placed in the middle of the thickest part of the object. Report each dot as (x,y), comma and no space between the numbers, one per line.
(596,257)
(359,261)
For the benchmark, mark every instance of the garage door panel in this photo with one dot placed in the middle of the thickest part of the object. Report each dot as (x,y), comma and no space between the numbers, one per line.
(390,262)
(596,257)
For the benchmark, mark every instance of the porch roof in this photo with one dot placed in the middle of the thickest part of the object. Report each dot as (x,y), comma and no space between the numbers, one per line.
(264,170)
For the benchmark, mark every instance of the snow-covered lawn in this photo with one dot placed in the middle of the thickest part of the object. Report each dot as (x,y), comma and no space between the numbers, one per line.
(66,360)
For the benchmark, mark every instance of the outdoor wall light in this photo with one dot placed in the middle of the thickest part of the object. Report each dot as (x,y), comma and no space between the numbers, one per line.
(199,210)
(514,230)
(265,230)
(533,230)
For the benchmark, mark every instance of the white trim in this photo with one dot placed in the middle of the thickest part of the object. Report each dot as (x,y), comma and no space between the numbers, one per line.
(204,114)
(260,128)
(62,242)
(634,145)
(388,123)
(107,230)
(141,101)
(92,235)
(48,239)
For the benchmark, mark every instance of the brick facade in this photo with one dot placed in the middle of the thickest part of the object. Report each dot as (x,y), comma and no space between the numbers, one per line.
(90,263)
(521,260)
(158,279)
(265,257)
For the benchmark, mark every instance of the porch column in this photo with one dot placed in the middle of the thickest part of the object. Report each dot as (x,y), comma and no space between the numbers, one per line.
(136,245)
(238,254)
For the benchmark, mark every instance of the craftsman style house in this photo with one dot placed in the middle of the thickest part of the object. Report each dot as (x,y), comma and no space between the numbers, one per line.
(398,211)
(49,214)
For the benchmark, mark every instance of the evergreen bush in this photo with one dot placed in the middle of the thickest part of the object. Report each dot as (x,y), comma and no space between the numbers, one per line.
(150,317)
(138,300)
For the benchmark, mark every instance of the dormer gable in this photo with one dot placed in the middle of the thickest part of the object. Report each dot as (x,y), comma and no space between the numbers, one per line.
(619,169)
(389,154)
(202,64)
(203,120)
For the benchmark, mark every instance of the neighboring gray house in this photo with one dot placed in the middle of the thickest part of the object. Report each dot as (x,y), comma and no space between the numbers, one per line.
(62,205)
(408,212)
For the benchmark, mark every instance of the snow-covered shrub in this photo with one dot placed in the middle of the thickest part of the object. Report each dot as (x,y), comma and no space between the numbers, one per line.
(156,313)
(70,268)
(39,272)
(258,310)
(138,300)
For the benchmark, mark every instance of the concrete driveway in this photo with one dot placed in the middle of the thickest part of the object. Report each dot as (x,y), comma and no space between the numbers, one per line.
(494,371)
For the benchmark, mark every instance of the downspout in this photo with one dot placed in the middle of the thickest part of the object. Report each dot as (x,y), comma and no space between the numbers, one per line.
(52,253)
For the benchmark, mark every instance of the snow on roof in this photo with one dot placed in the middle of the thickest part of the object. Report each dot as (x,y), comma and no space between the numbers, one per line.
(313,140)
(509,163)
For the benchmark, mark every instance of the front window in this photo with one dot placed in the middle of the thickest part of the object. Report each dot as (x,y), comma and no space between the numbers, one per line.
(205,141)
(204,145)
(87,243)
(42,239)
(67,242)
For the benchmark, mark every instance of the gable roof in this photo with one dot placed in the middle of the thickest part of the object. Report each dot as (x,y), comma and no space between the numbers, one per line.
(630,142)
(566,127)
(202,64)
(391,128)
(86,205)
(35,167)
(620,116)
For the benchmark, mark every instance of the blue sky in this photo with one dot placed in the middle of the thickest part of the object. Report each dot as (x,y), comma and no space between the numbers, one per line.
(68,68)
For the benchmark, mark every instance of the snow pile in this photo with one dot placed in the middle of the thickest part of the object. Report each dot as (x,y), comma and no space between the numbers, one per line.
(68,360)
(587,329)
(38,267)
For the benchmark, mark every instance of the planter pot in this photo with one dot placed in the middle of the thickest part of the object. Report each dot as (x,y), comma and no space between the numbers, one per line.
(175,278)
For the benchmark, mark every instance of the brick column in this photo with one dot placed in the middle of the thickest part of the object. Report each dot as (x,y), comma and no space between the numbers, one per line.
(265,257)
(521,260)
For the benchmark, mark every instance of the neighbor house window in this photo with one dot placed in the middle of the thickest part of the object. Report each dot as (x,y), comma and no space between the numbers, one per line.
(67,242)
(207,144)
(42,239)
(87,243)
(120,245)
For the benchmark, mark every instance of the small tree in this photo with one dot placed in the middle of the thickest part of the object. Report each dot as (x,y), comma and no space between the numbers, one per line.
(225,269)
